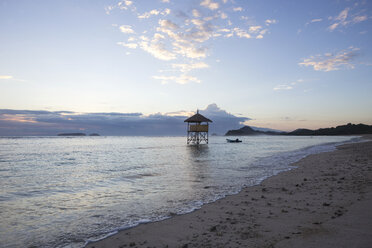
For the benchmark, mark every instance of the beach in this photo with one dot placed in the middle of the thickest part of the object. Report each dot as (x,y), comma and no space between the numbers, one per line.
(324,201)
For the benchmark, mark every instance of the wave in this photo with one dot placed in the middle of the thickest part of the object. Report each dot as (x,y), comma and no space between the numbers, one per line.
(274,164)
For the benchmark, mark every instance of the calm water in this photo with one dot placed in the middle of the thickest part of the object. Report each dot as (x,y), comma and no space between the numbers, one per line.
(63,191)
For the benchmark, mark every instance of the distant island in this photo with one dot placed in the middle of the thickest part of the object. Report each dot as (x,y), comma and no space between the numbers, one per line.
(349,129)
(72,134)
(247,130)
(77,134)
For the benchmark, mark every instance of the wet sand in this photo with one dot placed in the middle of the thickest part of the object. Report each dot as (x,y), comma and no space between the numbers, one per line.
(325,201)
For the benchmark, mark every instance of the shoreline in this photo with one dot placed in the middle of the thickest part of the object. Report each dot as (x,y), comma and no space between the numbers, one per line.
(276,212)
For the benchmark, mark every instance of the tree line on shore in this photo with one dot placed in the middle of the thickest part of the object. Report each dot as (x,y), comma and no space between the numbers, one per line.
(349,129)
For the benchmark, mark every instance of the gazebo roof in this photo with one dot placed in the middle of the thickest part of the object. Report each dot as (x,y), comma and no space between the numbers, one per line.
(198,118)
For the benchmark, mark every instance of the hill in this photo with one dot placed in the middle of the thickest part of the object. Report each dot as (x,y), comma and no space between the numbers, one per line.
(246,130)
(349,129)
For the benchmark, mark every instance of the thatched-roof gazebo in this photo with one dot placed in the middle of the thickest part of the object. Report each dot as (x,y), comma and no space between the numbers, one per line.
(197,132)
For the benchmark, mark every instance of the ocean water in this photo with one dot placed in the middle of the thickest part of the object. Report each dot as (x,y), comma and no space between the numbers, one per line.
(66,191)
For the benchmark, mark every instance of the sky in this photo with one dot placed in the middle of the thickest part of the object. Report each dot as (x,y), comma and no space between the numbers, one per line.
(106,65)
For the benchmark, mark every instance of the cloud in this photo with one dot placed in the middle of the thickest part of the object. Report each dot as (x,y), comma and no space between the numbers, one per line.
(270,21)
(126,29)
(149,14)
(313,21)
(254,29)
(130,39)
(167,24)
(357,19)
(332,62)
(316,20)
(124,4)
(222,120)
(213,110)
(345,18)
(181,79)
(196,13)
(223,15)
(283,87)
(189,67)
(224,30)
(198,23)
(209,4)
(339,20)
(185,36)
(108,9)
(28,122)
(241,33)
(128,3)
(129,45)
(6,77)
(158,50)
(288,86)
(165,12)
(189,50)
(154,12)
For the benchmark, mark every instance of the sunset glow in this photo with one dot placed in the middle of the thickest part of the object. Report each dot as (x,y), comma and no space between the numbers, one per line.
(282,65)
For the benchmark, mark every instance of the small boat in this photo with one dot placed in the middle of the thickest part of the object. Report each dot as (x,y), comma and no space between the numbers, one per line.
(233,140)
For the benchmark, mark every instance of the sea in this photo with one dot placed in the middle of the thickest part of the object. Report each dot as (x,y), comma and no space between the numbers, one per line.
(68,191)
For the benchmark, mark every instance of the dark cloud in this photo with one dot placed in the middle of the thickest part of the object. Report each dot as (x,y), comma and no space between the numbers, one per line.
(30,122)
(28,112)
(116,114)
(222,120)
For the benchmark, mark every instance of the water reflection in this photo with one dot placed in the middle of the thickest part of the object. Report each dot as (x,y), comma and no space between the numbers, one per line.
(199,163)
(198,151)
(104,183)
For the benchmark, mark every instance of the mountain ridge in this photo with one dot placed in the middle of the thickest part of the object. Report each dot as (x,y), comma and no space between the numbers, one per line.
(348,129)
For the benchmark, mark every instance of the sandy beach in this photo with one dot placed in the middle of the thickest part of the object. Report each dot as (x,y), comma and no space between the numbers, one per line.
(325,201)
